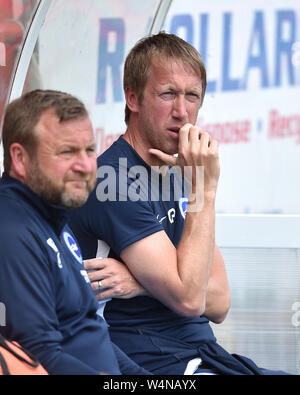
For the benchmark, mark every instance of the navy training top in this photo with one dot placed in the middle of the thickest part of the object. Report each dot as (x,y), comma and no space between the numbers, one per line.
(127,205)
(50,307)
(131,202)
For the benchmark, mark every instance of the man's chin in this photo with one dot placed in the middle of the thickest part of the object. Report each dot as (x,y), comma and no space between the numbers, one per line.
(172,149)
(74,200)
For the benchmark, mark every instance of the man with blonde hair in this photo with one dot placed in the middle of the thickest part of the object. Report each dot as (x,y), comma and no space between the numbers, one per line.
(164,234)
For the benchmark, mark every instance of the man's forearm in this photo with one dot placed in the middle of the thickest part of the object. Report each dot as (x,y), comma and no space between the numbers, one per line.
(195,256)
(218,291)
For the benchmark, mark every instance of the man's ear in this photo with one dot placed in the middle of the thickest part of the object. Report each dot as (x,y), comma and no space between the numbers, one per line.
(131,100)
(19,161)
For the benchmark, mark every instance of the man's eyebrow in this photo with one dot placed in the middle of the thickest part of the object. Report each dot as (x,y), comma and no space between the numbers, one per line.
(195,90)
(167,87)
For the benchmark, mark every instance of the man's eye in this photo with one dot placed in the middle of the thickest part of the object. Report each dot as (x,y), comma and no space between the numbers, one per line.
(91,151)
(67,152)
(168,95)
(193,97)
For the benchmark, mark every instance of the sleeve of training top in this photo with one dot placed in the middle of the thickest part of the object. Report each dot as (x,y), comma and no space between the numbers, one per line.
(29,299)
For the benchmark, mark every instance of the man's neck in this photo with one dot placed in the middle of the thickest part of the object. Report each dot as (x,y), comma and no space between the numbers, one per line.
(134,138)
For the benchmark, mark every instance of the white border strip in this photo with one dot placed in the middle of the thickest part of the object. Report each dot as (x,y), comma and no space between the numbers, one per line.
(258,231)
(27,50)
(160,16)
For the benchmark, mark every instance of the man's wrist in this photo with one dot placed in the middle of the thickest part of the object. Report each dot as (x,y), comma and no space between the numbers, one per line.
(197,202)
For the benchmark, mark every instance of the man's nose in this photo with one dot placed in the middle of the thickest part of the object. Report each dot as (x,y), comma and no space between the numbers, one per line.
(180,107)
(84,163)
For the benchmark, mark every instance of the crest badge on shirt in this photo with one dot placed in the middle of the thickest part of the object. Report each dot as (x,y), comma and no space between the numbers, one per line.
(72,246)
(183,202)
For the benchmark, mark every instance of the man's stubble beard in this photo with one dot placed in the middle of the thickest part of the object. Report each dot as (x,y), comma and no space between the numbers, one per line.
(155,141)
(44,187)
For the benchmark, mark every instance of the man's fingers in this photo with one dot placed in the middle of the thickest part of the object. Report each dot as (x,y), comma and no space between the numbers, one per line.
(96,275)
(205,140)
(94,264)
(184,137)
(107,294)
(214,146)
(165,158)
(104,284)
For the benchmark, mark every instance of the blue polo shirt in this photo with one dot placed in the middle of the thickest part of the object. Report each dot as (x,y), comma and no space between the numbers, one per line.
(49,304)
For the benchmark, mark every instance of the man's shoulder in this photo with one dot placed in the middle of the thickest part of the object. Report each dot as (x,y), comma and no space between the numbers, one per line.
(10,207)
(16,234)
(17,219)
(118,155)
(112,153)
